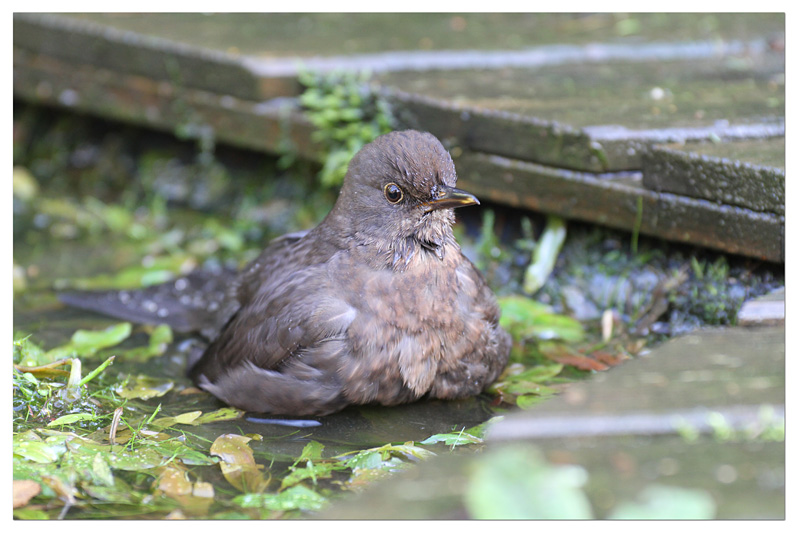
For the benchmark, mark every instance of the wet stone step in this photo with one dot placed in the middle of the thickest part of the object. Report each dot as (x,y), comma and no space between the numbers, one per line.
(735,480)
(610,199)
(321,35)
(747,174)
(257,56)
(733,371)
(568,125)
(618,200)
(591,108)
(767,310)
(599,116)
(192,113)
(162,60)
(704,412)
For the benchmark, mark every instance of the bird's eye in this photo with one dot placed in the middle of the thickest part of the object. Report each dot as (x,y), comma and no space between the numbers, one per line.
(393,193)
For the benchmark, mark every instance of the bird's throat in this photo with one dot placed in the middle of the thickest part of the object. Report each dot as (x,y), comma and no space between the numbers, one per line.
(420,246)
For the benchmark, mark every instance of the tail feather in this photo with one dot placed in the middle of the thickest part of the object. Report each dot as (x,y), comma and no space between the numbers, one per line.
(200,302)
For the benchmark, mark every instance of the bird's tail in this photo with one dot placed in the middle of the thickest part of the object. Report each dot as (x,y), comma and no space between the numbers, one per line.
(201,302)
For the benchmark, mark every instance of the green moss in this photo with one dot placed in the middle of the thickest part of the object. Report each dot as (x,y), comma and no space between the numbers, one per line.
(347,114)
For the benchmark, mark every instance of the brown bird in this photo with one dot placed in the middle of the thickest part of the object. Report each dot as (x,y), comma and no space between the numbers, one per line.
(377,304)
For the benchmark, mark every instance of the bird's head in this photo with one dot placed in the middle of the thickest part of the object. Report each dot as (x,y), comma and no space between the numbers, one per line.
(399,194)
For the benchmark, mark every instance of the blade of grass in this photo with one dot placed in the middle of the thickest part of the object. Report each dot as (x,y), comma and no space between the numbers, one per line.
(94,373)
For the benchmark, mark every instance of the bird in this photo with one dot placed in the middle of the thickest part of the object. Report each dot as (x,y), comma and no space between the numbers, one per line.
(375,305)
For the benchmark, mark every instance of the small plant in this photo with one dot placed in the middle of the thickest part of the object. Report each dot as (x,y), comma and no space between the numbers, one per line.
(488,246)
(347,114)
(710,294)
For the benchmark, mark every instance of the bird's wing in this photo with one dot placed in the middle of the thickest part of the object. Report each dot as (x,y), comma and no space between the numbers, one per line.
(289,313)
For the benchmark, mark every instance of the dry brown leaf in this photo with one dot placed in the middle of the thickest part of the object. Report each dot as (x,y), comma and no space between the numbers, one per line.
(24,490)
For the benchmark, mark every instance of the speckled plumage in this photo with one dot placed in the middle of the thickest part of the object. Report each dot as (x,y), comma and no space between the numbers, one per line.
(377,304)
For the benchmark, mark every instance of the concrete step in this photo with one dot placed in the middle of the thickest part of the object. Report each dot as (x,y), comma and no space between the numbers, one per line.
(703,413)
(589,117)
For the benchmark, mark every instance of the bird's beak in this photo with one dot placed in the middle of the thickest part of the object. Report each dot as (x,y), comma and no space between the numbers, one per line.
(451,197)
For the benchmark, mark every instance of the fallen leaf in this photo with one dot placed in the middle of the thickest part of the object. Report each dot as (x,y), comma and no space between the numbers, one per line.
(525,318)
(38,452)
(238,464)
(453,439)
(71,419)
(565,356)
(226,413)
(141,459)
(49,370)
(174,483)
(144,387)
(185,418)
(202,489)
(84,342)
(66,492)
(610,359)
(296,497)
(24,490)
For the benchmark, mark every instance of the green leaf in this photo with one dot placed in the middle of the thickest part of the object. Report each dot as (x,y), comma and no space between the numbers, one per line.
(169,421)
(225,413)
(407,449)
(526,401)
(26,513)
(297,497)
(140,459)
(311,451)
(95,340)
(29,354)
(177,450)
(525,319)
(529,387)
(101,471)
(85,342)
(519,310)
(538,373)
(453,439)
(480,430)
(527,382)
(311,471)
(38,452)
(112,494)
(545,254)
(160,338)
(144,387)
(71,419)
(551,326)
(367,459)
